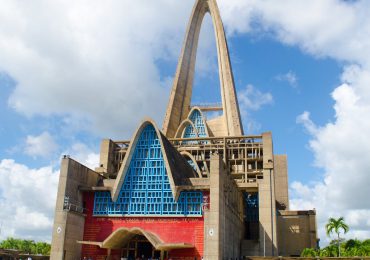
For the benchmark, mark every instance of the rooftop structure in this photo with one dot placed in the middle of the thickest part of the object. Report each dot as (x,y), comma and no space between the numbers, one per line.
(197,189)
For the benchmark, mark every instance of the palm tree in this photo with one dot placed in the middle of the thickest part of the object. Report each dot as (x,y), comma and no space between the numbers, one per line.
(335,225)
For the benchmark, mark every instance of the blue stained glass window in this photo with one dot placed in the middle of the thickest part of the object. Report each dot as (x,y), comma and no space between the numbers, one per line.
(192,164)
(197,119)
(251,206)
(189,132)
(146,189)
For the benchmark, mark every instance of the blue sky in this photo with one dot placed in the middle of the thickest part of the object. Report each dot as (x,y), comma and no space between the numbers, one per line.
(77,73)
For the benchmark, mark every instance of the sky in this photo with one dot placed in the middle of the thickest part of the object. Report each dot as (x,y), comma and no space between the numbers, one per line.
(74,72)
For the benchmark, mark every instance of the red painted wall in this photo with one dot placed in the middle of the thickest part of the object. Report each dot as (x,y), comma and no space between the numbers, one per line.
(168,229)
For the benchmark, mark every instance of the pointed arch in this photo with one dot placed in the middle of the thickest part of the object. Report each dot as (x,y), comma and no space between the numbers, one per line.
(197,118)
(196,121)
(184,124)
(151,181)
(177,168)
(193,162)
(180,98)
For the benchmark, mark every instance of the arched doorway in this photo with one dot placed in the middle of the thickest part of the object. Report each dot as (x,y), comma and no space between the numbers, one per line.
(135,243)
(139,247)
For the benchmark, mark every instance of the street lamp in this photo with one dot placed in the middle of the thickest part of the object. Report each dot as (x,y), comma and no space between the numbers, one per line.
(270,167)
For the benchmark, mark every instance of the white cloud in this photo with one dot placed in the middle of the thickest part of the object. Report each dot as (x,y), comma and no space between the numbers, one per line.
(206,61)
(83,154)
(305,120)
(28,195)
(251,98)
(289,77)
(27,200)
(339,30)
(341,148)
(91,61)
(332,28)
(42,145)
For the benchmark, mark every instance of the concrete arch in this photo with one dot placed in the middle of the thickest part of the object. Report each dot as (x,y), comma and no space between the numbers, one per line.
(176,166)
(123,235)
(191,157)
(180,98)
(183,125)
(203,118)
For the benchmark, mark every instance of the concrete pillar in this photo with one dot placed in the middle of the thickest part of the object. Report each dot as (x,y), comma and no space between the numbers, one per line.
(109,252)
(281,181)
(107,156)
(267,201)
(69,224)
(214,222)
(313,229)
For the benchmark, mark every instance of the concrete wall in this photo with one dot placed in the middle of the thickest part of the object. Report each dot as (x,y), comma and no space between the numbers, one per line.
(69,225)
(281,182)
(223,221)
(107,161)
(296,231)
(233,219)
(266,193)
(216,127)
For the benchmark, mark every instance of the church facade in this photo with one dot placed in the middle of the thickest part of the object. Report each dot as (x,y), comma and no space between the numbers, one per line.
(196,188)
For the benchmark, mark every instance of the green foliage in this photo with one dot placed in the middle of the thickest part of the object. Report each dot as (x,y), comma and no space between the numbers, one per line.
(349,248)
(335,241)
(309,252)
(26,246)
(366,242)
(329,251)
(352,243)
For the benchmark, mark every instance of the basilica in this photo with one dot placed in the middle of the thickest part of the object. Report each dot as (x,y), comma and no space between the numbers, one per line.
(195,187)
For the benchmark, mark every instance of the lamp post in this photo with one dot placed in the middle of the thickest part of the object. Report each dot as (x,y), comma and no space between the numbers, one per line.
(270,166)
(264,242)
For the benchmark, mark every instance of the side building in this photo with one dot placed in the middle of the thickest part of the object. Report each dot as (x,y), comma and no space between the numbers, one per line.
(197,189)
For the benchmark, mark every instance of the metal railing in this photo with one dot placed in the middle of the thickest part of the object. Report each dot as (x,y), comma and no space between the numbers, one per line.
(243,155)
(71,205)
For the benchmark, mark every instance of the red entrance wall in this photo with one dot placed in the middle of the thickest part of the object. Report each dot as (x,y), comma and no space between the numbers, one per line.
(168,229)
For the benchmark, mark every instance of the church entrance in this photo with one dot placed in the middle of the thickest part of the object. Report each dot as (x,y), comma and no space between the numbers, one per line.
(139,248)
(145,249)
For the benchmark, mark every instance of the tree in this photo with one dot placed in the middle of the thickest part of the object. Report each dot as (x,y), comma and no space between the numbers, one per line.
(334,225)
(26,246)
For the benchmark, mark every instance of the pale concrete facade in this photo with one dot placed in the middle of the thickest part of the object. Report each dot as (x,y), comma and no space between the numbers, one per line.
(297,229)
(69,216)
(233,168)
(281,182)
(224,220)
